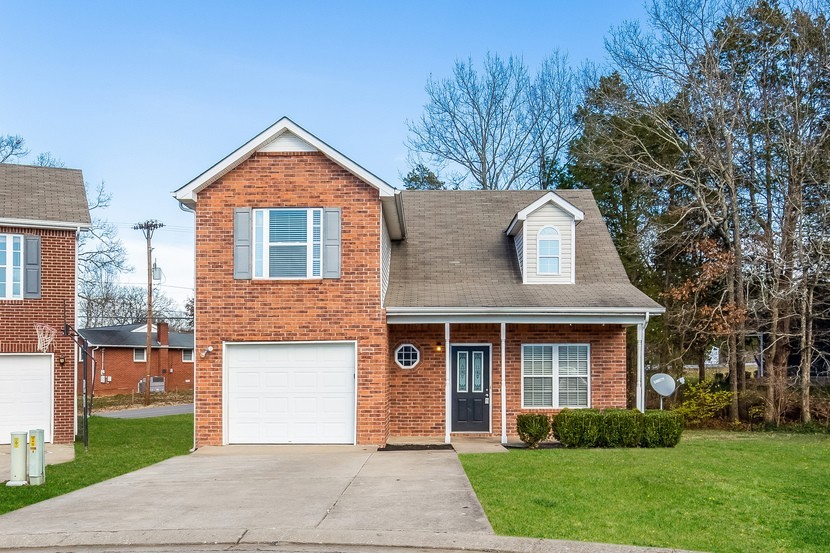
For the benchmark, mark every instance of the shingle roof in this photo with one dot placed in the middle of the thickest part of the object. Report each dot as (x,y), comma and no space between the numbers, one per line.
(456,254)
(43,194)
(123,335)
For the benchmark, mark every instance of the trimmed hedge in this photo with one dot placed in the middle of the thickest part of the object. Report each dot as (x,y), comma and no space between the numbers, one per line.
(622,428)
(532,428)
(578,427)
(617,428)
(662,428)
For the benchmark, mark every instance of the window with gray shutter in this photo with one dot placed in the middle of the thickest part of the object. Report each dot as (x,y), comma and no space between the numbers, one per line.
(331,243)
(31,266)
(242,243)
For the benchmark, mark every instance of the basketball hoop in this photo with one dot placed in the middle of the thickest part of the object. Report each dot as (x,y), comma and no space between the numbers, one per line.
(45,335)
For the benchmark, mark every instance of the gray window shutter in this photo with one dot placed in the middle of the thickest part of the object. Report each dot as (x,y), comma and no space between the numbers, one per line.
(242,243)
(31,266)
(331,242)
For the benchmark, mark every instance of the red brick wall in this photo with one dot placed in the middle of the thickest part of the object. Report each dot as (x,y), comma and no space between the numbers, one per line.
(347,308)
(118,363)
(18,317)
(417,395)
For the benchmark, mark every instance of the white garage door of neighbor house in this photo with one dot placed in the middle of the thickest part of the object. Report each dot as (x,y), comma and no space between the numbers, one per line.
(25,394)
(291,393)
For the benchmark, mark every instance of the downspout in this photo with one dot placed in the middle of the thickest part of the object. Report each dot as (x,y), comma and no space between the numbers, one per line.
(75,347)
(195,361)
(503,388)
(447,387)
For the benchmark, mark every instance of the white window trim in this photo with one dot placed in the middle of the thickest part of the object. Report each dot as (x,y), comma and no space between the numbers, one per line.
(417,359)
(539,255)
(555,377)
(8,268)
(265,245)
(143,358)
(191,356)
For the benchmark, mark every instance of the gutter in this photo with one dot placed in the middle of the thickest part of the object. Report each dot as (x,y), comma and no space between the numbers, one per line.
(438,311)
(51,225)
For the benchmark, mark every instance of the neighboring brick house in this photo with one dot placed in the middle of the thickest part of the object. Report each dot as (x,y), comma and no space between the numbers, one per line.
(120,360)
(342,310)
(42,212)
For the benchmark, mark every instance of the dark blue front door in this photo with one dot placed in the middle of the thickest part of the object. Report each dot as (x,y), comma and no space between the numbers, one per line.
(470,388)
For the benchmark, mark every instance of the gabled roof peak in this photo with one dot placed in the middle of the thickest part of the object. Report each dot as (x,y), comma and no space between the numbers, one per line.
(284,135)
(550,197)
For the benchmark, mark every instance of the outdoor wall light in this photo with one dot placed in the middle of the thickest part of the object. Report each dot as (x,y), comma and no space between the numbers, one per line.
(61,360)
(438,346)
(208,350)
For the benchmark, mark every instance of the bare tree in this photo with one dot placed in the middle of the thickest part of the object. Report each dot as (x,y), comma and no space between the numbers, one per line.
(499,127)
(12,148)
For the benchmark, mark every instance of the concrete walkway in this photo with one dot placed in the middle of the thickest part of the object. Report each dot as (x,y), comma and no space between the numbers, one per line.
(240,496)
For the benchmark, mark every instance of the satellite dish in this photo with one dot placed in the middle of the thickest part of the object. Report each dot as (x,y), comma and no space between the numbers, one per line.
(664,385)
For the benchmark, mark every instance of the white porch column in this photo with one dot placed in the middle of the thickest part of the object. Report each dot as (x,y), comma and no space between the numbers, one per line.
(641,366)
(503,387)
(448,385)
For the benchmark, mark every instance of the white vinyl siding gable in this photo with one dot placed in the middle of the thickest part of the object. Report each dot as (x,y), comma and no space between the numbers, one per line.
(519,242)
(549,215)
(385,258)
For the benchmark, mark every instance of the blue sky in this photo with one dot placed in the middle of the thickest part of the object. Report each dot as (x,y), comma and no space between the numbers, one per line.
(147,95)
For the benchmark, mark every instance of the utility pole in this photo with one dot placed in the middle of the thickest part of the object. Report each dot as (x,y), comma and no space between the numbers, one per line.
(148,227)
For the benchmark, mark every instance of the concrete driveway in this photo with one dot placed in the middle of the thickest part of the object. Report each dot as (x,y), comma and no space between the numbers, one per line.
(243,489)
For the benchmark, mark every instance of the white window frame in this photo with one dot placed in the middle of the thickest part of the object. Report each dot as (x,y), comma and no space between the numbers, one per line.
(186,360)
(417,357)
(9,267)
(539,255)
(262,250)
(143,355)
(555,376)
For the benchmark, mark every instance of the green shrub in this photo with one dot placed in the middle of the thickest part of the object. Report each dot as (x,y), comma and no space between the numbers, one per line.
(702,401)
(621,428)
(578,427)
(661,428)
(533,428)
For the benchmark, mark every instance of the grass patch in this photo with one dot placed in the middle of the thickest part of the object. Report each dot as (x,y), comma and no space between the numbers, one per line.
(716,491)
(116,447)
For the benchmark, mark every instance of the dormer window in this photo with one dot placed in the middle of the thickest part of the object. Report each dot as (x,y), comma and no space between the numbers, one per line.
(548,251)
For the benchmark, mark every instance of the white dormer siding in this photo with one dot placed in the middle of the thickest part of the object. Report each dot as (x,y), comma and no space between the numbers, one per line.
(519,242)
(385,258)
(548,215)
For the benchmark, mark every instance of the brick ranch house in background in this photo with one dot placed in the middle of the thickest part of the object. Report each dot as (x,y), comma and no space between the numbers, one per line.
(120,360)
(342,310)
(42,212)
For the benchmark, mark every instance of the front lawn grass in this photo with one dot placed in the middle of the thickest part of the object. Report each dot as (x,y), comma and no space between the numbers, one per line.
(116,446)
(716,491)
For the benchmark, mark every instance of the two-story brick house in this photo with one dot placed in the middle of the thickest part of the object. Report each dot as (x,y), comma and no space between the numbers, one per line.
(333,308)
(42,212)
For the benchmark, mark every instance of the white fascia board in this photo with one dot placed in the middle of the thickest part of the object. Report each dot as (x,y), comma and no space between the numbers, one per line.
(529,318)
(550,197)
(524,310)
(187,194)
(51,225)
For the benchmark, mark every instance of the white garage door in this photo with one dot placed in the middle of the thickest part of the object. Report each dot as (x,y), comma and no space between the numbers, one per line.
(25,394)
(291,393)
